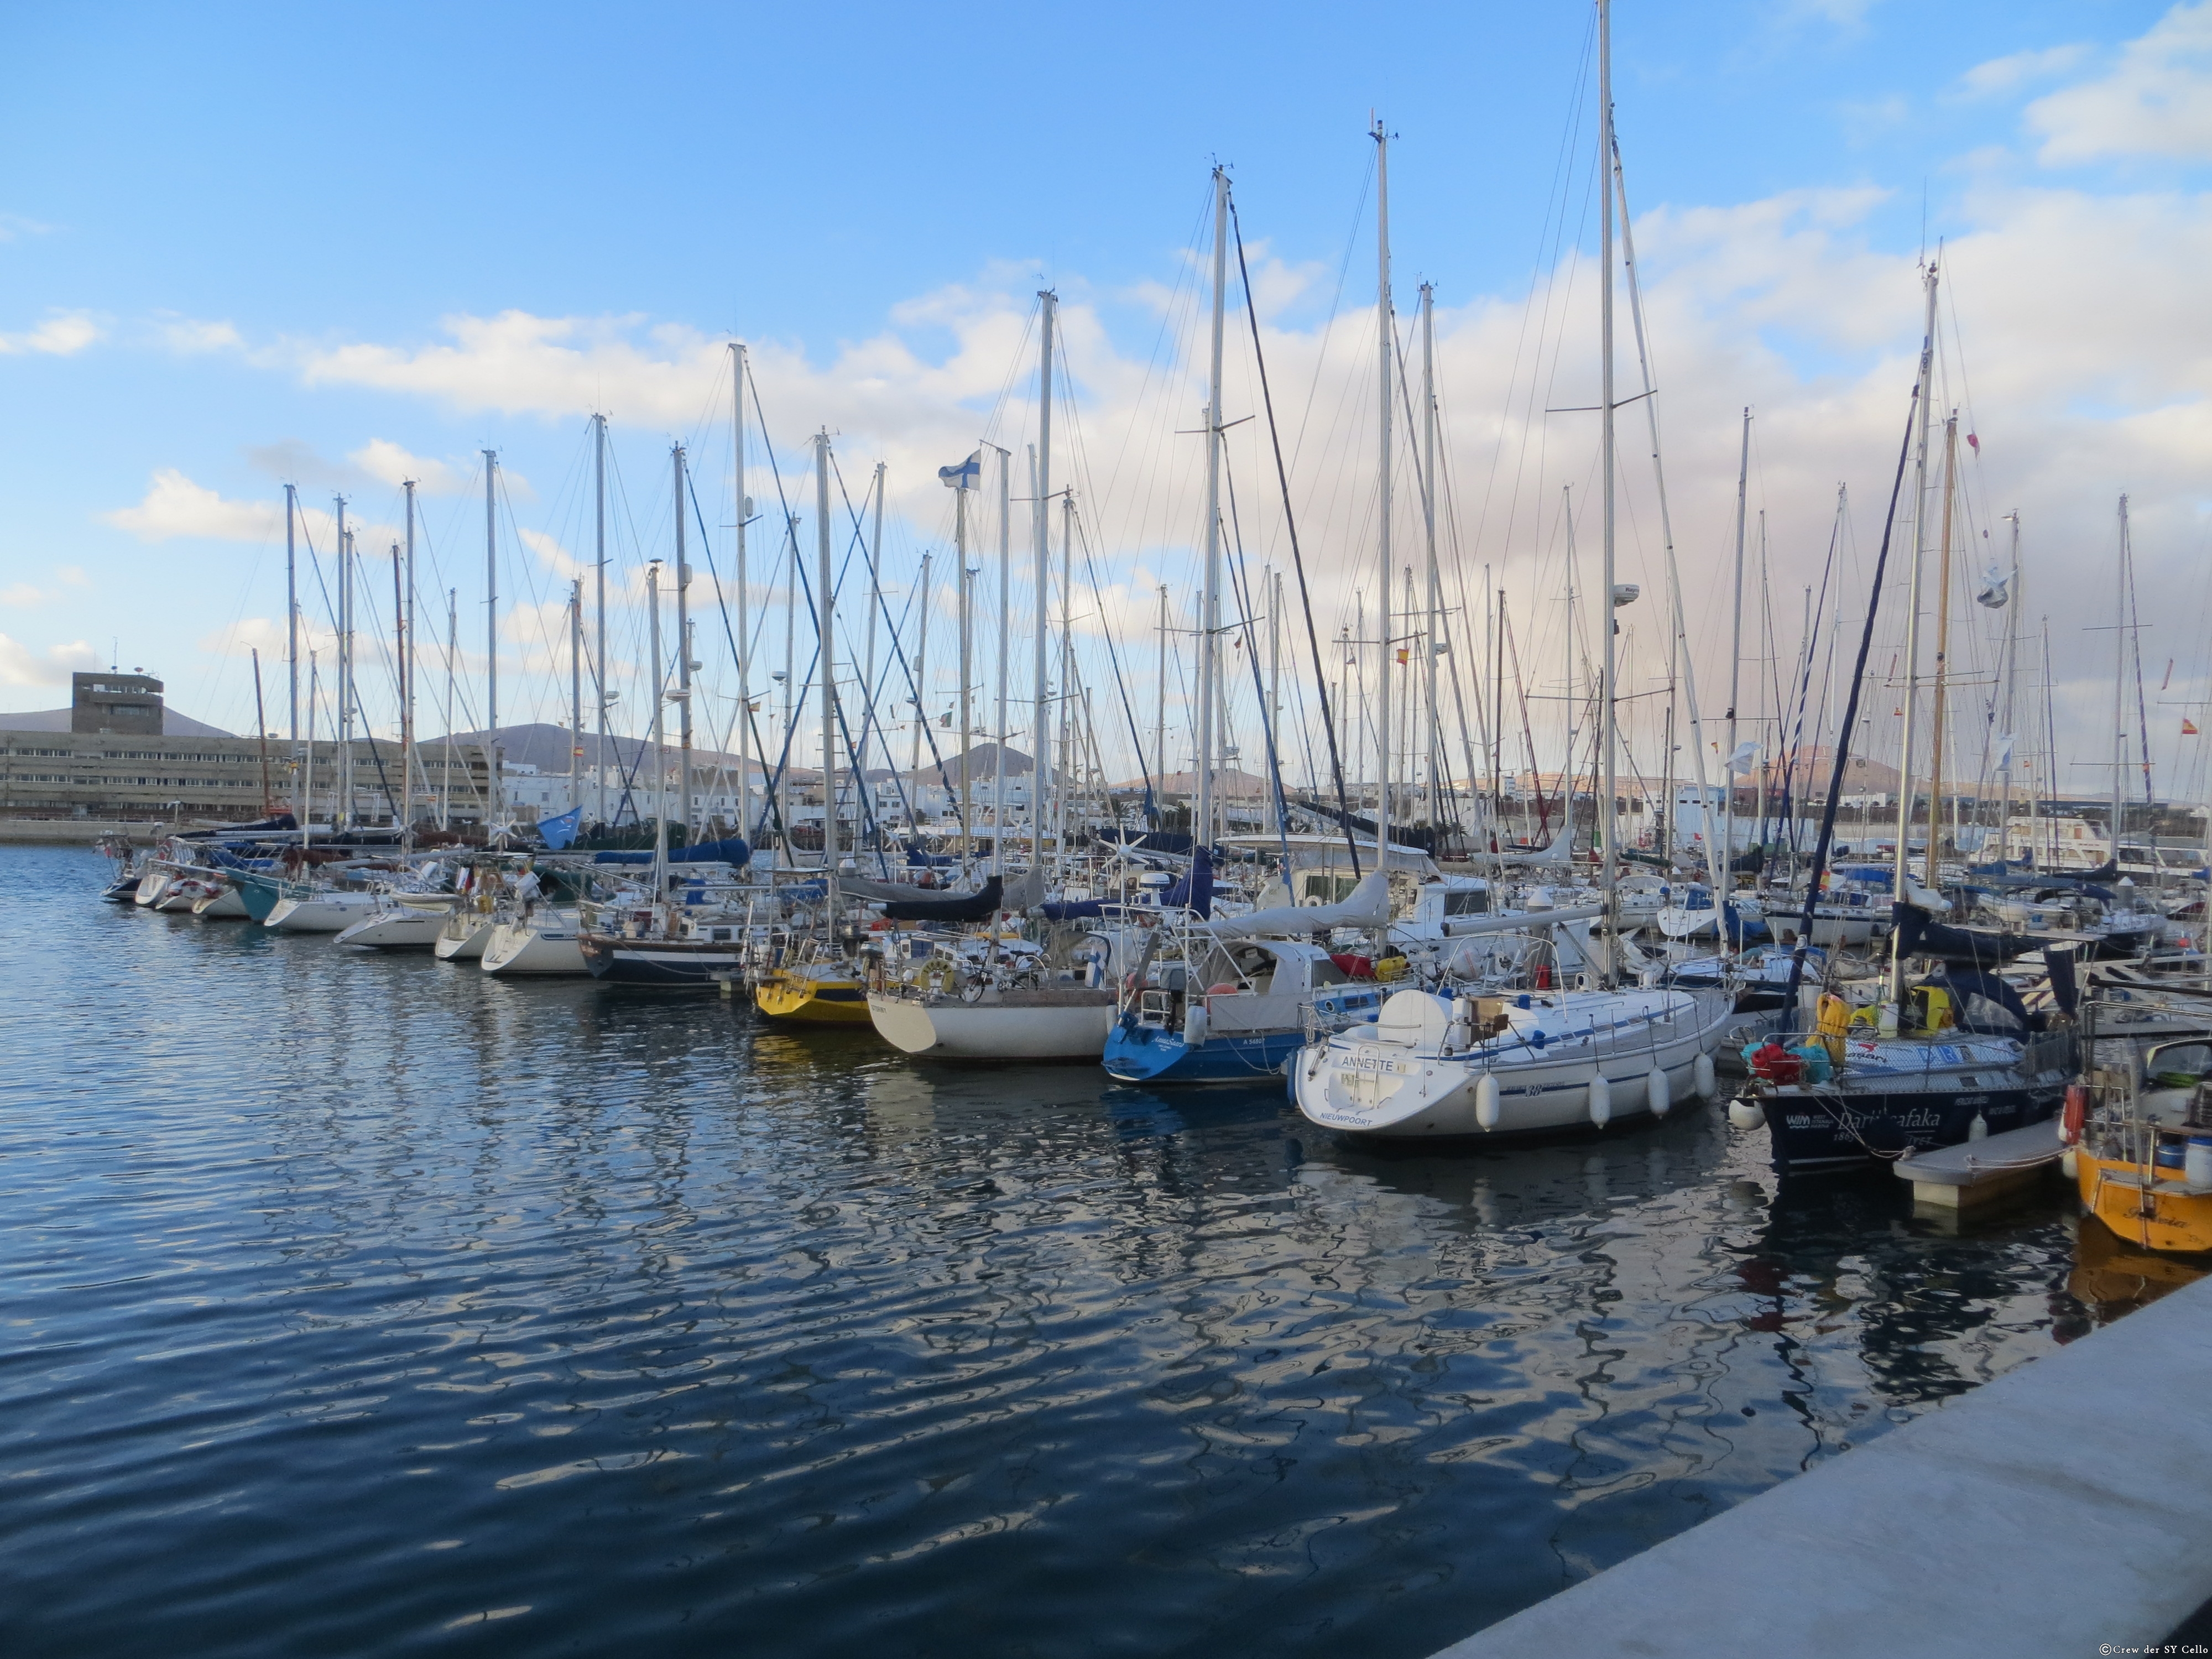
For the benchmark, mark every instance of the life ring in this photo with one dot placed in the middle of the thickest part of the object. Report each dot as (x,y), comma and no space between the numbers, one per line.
(2076,1113)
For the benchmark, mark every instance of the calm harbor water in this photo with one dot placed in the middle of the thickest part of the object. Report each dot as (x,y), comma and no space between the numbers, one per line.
(361,1304)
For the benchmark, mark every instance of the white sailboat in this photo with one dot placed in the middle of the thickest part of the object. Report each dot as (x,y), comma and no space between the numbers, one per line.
(549,941)
(1439,1064)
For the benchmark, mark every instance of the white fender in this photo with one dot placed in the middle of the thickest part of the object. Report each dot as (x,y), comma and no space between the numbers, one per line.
(1193,1022)
(1657,1093)
(1745,1116)
(1601,1101)
(1702,1078)
(1486,1101)
(1979,1129)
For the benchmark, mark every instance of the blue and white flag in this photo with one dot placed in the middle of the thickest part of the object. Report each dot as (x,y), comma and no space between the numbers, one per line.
(560,831)
(968,475)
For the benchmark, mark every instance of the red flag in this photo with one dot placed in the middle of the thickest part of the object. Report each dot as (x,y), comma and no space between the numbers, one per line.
(2188,726)
(1973,443)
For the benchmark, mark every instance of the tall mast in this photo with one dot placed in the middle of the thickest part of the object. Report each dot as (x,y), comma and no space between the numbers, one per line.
(1274,590)
(1607,788)
(1005,610)
(1067,711)
(744,512)
(1048,303)
(1385,341)
(400,808)
(1429,538)
(1723,873)
(307,788)
(491,637)
(960,592)
(1939,717)
(408,758)
(875,603)
(828,599)
(659,747)
(452,651)
(2012,700)
(1209,614)
(1899,867)
(683,653)
(576,693)
(599,577)
(2120,676)
(344,812)
(292,613)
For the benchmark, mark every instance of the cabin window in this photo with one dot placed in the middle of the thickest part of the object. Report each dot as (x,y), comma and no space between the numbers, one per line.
(1476,903)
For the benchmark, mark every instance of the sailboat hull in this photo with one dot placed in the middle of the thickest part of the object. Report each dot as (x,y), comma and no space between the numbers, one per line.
(1827,1128)
(323,913)
(1023,1028)
(402,928)
(229,905)
(1362,1083)
(463,938)
(1154,1054)
(668,963)
(806,999)
(550,944)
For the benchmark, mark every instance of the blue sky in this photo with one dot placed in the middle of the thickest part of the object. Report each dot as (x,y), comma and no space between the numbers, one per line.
(232,241)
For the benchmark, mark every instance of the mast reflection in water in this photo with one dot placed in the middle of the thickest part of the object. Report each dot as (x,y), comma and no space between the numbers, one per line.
(361,1301)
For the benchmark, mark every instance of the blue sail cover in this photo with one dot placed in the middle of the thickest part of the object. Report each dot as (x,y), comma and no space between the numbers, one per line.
(560,829)
(1195,892)
(735,852)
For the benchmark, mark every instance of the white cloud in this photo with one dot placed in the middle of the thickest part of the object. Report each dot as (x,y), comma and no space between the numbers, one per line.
(555,557)
(2001,75)
(14,226)
(20,666)
(22,593)
(72,575)
(388,462)
(2156,99)
(193,337)
(174,506)
(62,335)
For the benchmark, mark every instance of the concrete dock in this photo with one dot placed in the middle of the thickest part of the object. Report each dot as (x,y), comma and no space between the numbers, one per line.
(1976,1174)
(2063,1508)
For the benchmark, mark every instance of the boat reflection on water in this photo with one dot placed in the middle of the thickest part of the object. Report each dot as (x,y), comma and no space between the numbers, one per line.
(2112,1277)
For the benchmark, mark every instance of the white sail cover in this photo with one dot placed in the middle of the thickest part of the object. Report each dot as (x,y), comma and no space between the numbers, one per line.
(1367,905)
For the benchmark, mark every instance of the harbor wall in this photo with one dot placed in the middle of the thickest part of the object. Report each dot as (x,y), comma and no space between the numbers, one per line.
(2061,1509)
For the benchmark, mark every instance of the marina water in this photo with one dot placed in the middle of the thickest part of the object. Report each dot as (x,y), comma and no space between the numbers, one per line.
(372,1304)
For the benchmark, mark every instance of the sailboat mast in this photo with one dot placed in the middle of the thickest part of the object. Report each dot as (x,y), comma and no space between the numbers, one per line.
(292,612)
(2012,702)
(344,813)
(408,758)
(660,747)
(599,581)
(399,819)
(1433,726)
(491,635)
(1005,610)
(1900,867)
(1607,791)
(1160,704)
(1041,484)
(1209,611)
(683,651)
(967,645)
(1939,714)
(1725,875)
(1384,343)
(744,510)
(828,603)
(875,604)
(2119,678)
(1067,715)
(576,693)
(453,650)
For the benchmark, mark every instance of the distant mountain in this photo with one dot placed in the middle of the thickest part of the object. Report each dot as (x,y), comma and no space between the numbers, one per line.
(546,748)
(173,725)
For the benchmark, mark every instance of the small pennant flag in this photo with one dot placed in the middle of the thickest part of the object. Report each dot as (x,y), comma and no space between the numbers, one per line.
(1401,656)
(1973,443)
(967,475)
(2188,726)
